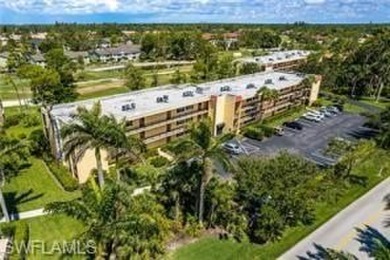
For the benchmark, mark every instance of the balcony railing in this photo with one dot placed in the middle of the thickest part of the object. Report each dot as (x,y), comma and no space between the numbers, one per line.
(158,137)
(167,121)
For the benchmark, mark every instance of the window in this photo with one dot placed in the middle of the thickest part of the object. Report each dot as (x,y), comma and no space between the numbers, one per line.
(180,110)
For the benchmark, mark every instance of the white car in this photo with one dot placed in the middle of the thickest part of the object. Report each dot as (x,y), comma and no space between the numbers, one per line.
(312,117)
(319,115)
(326,112)
(232,148)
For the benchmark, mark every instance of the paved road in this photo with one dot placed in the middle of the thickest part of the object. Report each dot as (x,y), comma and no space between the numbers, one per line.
(142,64)
(339,232)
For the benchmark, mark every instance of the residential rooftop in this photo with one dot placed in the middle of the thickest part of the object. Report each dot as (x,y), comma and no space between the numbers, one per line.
(137,104)
(277,57)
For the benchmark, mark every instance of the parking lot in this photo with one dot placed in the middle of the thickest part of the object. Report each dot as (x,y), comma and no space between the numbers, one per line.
(312,139)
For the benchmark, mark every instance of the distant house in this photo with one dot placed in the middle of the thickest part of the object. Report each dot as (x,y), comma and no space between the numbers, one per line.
(77,55)
(35,42)
(116,54)
(3,59)
(37,59)
(104,43)
(228,39)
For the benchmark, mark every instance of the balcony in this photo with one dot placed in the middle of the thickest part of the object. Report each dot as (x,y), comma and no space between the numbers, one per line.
(168,121)
(158,137)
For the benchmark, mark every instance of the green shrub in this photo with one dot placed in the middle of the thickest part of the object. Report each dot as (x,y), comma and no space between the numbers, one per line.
(30,120)
(38,143)
(159,161)
(22,136)
(151,153)
(254,133)
(267,131)
(63,175)
(12,120)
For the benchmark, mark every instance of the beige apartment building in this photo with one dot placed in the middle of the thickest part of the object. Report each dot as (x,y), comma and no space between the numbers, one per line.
(160,115)
(279,60)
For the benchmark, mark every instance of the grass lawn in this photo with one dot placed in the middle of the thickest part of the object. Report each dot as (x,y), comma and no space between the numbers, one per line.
(33,188)
(48,229)
(8,92)
(382,104)
(211,248)
(351,108)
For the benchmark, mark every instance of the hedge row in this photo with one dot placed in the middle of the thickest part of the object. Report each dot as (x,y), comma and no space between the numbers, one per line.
(258,132)
(63,176)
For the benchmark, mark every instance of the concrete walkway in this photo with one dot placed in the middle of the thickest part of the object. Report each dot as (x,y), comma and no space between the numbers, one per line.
(26,214)
(40,212)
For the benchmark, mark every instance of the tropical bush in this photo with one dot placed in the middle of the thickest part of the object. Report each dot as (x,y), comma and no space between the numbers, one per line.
(63,175)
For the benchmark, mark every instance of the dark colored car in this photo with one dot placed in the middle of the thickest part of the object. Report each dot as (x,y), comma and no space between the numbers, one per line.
(293,125)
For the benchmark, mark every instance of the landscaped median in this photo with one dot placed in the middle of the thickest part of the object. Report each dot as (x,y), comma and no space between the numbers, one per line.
(376,168)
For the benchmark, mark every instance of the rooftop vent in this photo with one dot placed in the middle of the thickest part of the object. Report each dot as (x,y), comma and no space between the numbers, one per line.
(163,99)
(268,81)
(128,107)
(225,88)
(188,94)
(282,78)
(250,86)
(199,90)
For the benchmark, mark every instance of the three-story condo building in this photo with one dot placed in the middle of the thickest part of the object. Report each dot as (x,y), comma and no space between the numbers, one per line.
(159,115)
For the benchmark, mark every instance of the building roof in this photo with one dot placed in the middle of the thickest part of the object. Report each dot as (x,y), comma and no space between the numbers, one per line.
(146,100)
(277,57)
(37,57)
(4,55)
(120,50)
(76,54)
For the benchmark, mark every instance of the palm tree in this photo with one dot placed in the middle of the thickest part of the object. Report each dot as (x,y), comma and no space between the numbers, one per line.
(203,146)
(122,225)
(92,130)
(267,95)
(12,154)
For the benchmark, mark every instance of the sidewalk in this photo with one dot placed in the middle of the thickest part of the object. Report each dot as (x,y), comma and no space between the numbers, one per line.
(26,214)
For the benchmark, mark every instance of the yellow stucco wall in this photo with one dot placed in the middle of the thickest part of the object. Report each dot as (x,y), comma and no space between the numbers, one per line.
(88,163)
(315,89)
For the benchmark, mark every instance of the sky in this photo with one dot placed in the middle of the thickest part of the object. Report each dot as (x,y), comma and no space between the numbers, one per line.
(199,11)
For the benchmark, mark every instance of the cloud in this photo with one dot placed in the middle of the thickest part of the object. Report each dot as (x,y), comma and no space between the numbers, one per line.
(211,10)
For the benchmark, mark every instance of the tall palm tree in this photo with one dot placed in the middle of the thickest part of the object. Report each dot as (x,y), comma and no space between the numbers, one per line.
(12,154)
(267,95)
(208,149)
(92,130)
(122,225)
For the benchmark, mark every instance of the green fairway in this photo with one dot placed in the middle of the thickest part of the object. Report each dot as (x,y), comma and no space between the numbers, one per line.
(33,188)
(211,248)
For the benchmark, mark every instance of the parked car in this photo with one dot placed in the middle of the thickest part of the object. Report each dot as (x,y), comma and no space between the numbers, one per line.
(318,115)
(339,107)
(279,131)
(312,117)
(333,109)
(293,125)
(232,148)
(326,112)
